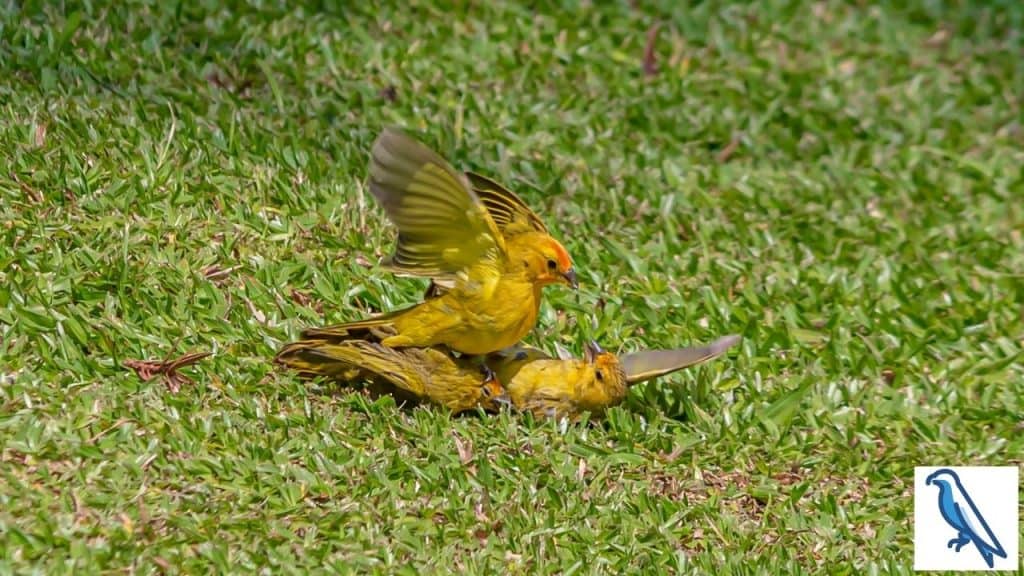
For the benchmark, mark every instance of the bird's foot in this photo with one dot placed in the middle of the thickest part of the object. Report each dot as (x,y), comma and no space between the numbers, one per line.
(960,542)
(489,375)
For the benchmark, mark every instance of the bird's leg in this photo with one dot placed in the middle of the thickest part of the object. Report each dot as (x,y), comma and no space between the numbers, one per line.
(489,375)
(961,540)
(449,351)
(481,360)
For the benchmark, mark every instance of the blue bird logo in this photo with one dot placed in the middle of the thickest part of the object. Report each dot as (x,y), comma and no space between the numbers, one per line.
(959,511)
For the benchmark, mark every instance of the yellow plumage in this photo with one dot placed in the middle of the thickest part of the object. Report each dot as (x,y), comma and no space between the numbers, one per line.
(417,374)
(445,233)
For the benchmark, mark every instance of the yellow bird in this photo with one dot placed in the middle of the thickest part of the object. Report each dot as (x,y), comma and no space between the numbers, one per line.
(410,374)
(508,211)
(492,280)
(560,388)
(535,382)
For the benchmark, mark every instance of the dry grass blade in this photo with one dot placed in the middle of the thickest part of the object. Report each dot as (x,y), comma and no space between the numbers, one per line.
(465,449)
(213,272)
(650,57)
(306,301)
(147,369)
(730,149)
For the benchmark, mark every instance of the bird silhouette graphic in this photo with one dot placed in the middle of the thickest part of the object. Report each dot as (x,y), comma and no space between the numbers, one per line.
(959,511)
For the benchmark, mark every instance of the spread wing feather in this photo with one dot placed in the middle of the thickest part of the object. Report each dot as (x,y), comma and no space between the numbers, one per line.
(443,227)
(509,212)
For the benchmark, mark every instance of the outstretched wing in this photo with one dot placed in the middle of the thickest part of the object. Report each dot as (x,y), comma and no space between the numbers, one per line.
(443,227)
(510,213)
(640,366)
(974,523)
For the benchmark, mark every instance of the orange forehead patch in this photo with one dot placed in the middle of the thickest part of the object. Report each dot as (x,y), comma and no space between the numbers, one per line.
(564,261)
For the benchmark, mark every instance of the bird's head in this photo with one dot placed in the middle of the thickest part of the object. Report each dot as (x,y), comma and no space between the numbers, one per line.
(943,478)
(603,382)
(544,259)
(493,396)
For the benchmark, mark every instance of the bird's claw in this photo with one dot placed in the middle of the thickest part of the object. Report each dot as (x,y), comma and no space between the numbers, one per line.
(489,375)
(960,542)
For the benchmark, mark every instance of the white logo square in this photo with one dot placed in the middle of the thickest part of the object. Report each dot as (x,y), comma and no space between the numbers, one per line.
(966,518)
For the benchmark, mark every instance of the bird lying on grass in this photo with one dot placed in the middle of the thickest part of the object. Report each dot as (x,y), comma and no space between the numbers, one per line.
(566,388)
(418,374)
(535,382)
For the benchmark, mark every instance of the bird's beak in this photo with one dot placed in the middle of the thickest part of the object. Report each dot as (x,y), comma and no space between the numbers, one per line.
(591,350)
(570,278)
(502,401)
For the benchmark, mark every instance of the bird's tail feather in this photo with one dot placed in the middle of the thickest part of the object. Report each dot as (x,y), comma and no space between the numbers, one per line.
(308,357)
(986,554)
(373,329)
(350,361)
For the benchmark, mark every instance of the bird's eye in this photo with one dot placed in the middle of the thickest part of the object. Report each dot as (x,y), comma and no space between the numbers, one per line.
(599,375)
(526,264)
(552,264)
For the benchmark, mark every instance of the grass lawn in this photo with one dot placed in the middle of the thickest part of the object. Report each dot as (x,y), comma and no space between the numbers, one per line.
(842,185)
